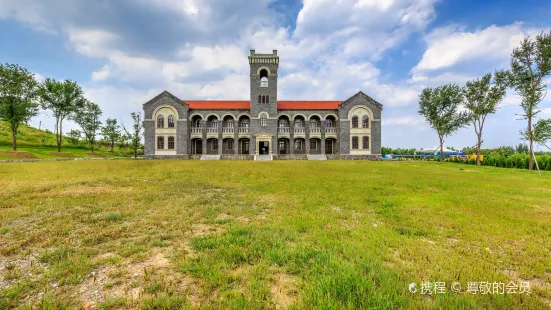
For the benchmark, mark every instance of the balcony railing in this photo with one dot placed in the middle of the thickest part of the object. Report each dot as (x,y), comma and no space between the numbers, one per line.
(315,130)
(331,130)
(212,130)
(228,130)
(244,130)
(196,130)
(299,130)
(283,130)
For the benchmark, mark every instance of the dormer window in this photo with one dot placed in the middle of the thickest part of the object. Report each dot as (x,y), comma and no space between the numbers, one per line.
(263,78)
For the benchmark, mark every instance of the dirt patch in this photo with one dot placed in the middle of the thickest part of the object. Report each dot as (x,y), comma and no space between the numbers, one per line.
(95,155)
(62,154)
(284,290)
(204,229)
(18,154)
(534,282)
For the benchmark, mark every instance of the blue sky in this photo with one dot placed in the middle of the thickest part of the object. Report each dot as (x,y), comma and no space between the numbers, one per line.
(125,52)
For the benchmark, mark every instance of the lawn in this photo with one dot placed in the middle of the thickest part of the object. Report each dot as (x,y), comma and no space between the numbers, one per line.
(291,234)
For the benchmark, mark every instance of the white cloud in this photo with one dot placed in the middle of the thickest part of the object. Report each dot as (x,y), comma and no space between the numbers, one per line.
(452,45)
(405,121)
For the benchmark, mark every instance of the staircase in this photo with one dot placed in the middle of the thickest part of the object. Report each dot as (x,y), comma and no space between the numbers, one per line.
(316,157)
(263,157)
(210,157)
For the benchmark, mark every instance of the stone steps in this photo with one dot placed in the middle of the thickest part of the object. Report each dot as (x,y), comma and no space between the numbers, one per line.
(210,157)
(263,157)
(316,157)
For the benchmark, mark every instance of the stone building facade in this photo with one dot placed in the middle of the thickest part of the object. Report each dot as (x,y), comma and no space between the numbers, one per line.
(263,125)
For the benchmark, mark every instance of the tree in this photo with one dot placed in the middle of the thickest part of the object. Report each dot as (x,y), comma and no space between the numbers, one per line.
(74,136)
(63,99)
(111,132)
(522,148)
(17,97)
(530,64)
(541,132)
(87,117)
(135,134)
(482,97)
(440,106)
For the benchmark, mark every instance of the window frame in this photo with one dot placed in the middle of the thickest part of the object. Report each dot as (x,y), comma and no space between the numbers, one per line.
(365,121)
(365,142)
(315,144)
(355,143)
(263,119)
(161,143)
(171,143)
(171,123)
(355,121)
(160,121)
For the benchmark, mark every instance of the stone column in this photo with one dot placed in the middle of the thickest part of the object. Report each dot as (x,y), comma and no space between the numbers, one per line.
(307,136)
(220,138)
(291,136)
(204,140)
(236,137)
(322,145)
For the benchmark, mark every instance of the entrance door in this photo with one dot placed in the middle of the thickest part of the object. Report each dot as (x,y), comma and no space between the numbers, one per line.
(264,147)
(328,146)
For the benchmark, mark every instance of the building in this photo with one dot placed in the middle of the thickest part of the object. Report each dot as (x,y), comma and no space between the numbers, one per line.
(263,125)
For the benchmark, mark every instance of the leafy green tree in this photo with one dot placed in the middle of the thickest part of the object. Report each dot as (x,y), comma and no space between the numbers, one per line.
(135,134)
(440,107)
(521,148)
(63,99)
(87,117)
(482,97)
(111,132)
(530,64)
(74,136)
(541,132)
(18,90)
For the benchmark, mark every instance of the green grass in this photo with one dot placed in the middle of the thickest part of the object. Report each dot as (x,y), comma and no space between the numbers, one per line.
(39,144)
(240,235)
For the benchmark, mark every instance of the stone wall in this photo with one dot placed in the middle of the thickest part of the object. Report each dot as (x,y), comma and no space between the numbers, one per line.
(353,157)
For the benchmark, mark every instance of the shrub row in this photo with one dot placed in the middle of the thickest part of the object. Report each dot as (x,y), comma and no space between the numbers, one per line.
(517,160)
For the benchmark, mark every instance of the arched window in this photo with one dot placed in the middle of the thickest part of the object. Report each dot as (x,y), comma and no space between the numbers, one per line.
(355,143)
(160,121)
(263,78)
(171,121)
(354,121)
(199,123)
(263,99)
(328,123)
(267,99)
(245,123)
(298,123)
(365,142)
(283,123)
(215,123)
(170,143)
(263,119)
(259,99)
(365,121)
(230,123)
(313,124)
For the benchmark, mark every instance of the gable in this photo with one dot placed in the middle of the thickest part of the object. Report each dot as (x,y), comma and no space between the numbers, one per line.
(165,99)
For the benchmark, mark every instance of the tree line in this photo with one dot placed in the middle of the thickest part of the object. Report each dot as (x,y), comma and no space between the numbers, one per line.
(530,65)
(22,96)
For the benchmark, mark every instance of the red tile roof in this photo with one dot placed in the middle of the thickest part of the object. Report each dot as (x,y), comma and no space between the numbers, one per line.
(245,105)
(218,104)
(308,105)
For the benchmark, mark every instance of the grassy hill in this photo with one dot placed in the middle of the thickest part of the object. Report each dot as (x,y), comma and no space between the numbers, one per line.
(33,143)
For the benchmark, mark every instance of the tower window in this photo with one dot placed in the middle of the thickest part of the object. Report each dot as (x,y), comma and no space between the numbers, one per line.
(263,78)
(267,99)
(263,119)
(259,99)
(263,99)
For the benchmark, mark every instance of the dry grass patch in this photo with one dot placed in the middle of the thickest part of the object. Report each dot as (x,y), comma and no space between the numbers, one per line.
(17,154)
(284,290)
(95,154)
